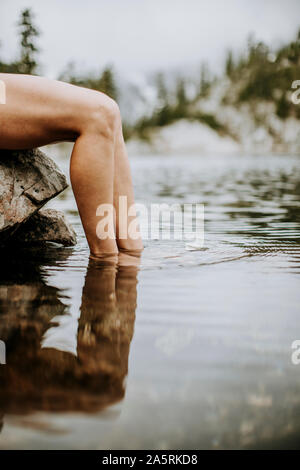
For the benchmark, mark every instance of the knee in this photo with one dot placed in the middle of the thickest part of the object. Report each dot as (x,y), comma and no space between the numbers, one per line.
(103,115)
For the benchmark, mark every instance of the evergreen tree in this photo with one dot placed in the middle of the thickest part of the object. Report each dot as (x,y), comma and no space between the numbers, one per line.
(69,74)
(294,51)
(229,64)
(28,33)
(162,115)
(181,99)
(162,92)
(107,83)
(204,80)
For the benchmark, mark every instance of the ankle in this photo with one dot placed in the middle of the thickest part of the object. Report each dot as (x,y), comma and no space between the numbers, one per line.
(104,257)
(137,253)
(131,246)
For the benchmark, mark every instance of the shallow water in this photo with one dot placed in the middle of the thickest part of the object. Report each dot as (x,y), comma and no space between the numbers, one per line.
(193,351)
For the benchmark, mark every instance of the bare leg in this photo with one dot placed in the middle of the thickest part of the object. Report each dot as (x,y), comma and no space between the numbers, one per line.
(123,187)
(39,111)
(92,183)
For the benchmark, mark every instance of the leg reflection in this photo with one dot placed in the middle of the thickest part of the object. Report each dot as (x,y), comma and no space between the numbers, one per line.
(49,379)
(106,328)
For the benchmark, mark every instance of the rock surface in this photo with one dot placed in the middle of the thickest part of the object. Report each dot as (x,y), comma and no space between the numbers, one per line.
(46,225)
(28,179)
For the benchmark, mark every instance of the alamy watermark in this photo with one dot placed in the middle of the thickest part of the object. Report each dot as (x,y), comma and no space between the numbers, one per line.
(2,352)
(295,357)
(154,222)
(2,92)
(295,98)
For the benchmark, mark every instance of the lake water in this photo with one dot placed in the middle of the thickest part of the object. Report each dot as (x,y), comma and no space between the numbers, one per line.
(192,351)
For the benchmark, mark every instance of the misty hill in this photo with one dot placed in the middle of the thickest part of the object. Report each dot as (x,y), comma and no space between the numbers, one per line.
(248,109)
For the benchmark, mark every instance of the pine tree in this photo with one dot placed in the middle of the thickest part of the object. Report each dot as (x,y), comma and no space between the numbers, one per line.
(181,99)
(204,80)
(28,32)
(162,114)
(229,64)
(107,83)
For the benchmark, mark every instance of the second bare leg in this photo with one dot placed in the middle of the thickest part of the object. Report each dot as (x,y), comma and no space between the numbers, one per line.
(123,187)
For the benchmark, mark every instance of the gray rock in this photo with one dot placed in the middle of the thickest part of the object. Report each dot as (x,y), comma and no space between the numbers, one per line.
(28,179)
(46,225)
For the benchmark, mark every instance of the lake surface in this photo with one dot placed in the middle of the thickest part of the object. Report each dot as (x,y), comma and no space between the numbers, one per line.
(192,351)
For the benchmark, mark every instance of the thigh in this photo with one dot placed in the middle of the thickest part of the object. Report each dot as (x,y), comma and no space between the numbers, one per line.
(39,111)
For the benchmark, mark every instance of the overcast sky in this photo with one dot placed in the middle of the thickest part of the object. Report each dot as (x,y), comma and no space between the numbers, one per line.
(143,35)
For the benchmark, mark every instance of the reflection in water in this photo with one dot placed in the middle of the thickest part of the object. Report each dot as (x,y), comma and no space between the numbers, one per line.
(39,376)
(212,355)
